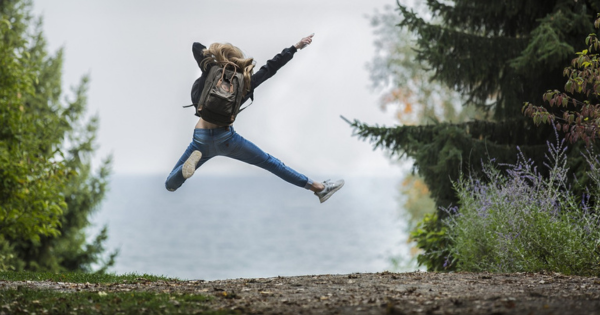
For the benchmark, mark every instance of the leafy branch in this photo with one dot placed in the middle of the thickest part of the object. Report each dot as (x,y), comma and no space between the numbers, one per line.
(578,113)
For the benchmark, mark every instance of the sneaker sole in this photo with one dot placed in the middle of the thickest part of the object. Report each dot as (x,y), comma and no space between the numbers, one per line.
(189,167)
(331,193)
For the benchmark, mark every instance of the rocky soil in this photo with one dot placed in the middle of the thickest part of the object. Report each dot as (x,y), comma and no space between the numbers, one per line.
(378,293)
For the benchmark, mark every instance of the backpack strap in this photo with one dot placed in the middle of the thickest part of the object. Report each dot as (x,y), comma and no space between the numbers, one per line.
(252,101)
(241,109)
(232,75)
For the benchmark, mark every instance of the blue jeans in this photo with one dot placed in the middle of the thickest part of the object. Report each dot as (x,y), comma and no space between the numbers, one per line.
(226,142)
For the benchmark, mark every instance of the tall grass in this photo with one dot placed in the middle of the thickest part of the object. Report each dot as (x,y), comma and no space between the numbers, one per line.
(517,220)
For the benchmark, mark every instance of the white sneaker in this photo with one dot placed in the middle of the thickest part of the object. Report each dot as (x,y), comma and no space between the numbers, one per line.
(330,189)
(189,167)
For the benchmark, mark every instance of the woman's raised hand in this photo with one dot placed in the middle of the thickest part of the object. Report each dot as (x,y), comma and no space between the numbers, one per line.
(305,41)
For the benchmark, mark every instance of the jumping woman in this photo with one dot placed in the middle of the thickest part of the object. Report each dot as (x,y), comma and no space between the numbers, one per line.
(212,138)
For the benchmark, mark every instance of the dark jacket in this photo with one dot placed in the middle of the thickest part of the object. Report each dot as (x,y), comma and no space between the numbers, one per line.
(260,76)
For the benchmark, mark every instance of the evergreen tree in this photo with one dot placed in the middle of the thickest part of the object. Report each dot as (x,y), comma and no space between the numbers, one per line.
(497,55)
(417,99)
(47,187)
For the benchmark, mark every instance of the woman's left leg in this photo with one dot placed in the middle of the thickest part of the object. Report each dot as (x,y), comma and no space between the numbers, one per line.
(241,149)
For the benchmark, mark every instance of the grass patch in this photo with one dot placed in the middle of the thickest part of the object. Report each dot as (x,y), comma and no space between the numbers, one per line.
(78,277)
(27,301)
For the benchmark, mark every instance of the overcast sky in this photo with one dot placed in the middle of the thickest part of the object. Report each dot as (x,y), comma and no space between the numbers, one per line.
(138,55)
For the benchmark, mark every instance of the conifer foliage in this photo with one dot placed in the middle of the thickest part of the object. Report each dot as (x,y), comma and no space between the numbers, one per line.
(497,55)
(408,89)
(47,187)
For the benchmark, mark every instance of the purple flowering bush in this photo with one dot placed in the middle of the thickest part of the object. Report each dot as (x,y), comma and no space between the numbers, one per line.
(517,220)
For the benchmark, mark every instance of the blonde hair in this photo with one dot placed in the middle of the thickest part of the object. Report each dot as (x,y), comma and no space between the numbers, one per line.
(226,53)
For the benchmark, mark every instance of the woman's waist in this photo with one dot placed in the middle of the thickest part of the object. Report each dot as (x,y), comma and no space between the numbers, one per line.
(203,124)
(204,128)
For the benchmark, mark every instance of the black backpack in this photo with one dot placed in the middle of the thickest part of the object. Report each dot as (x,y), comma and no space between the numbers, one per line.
(222,95)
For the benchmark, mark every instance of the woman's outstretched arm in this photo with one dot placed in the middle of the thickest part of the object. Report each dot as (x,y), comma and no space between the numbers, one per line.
(272,66)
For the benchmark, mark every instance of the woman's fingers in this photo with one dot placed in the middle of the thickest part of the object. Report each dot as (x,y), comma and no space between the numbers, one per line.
(305,41)
(308,39)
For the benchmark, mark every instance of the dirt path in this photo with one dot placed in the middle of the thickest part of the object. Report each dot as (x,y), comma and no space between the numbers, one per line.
(380,293)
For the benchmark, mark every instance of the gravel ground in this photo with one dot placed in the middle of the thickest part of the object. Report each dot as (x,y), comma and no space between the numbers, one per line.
(378,293)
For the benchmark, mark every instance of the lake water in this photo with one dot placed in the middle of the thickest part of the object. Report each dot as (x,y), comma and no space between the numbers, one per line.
(259,226)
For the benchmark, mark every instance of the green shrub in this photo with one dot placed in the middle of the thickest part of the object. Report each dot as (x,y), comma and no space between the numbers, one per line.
(433,239)
(519,221)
